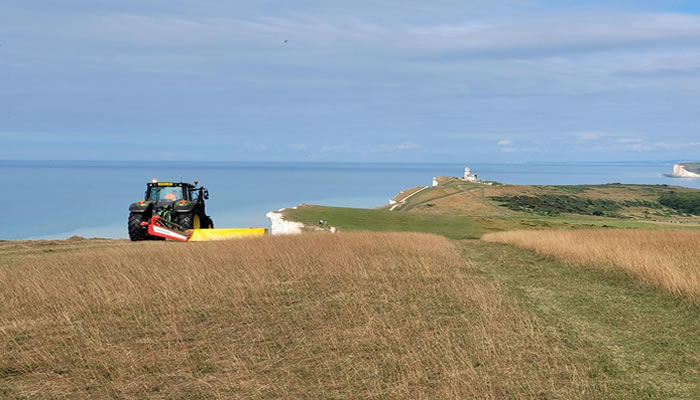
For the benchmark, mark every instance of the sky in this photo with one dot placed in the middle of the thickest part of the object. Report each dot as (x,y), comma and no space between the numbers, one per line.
(361,80)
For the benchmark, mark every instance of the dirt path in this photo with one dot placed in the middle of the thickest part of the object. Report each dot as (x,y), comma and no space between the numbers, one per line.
(469,191)
(403,201)
(499,210)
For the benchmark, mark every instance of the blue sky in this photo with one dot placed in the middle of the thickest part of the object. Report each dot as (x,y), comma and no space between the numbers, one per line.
(514,80)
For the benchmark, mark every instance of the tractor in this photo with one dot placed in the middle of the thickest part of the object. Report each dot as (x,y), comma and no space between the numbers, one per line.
(176,205)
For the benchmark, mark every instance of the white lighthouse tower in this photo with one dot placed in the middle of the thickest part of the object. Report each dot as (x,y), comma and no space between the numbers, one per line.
(468,176)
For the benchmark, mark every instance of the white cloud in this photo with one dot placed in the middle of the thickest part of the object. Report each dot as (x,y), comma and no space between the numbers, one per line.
(588,136)
(637,147)
(630,140)
(398,147)
(583,31)
(504,142)
(298,146)
(255,147)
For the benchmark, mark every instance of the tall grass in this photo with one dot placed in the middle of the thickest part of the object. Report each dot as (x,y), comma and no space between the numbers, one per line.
(668,259)
(316,316)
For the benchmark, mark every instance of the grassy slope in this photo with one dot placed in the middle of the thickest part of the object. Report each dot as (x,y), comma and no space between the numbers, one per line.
(665,259)
(456,197)
(318,316)
(335,316)
(460,210)
(452,226)
(638,341)
(360,219)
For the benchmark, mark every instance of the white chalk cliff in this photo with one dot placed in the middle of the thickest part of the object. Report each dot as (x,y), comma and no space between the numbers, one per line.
(280,226)
(680,171)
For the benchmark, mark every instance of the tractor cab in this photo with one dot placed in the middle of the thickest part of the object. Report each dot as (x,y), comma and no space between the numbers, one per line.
(160,192)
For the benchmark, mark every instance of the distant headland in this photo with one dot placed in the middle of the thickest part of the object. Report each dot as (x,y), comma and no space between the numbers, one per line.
(686,170)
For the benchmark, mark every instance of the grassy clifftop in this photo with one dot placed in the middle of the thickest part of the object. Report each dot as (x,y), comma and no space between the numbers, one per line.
(463,210)
(363,315)
(692,167)
(457,197)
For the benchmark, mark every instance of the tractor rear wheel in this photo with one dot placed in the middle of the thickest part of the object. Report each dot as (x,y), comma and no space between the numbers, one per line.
(136,231)
(190,220)
(208,223)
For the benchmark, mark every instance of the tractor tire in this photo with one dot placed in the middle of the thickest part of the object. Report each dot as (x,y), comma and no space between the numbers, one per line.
(208,223)
(191,220)
(136,231)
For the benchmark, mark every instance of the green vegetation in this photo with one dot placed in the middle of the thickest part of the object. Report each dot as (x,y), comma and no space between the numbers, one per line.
(558,204)
(549,204)
(454,226)
(638,342)
(360,219)
(615,201)
(688,203)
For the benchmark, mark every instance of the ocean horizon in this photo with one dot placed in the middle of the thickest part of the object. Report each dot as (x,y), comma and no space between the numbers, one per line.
(59,199)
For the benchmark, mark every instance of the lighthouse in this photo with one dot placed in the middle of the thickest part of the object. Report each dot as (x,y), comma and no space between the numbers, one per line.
(468,176)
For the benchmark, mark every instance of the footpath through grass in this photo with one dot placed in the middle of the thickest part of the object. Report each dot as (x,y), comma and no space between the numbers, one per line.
(637,342)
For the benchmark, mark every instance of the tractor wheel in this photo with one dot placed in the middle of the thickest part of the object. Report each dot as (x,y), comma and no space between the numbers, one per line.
(136,231)
(190,220)
(208,223)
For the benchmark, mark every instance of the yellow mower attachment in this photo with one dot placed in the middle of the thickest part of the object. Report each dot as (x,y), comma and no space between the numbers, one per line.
(165,229)
(203,235)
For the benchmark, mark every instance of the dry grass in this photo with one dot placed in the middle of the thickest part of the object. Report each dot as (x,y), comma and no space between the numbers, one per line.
(317,316)
(668,259)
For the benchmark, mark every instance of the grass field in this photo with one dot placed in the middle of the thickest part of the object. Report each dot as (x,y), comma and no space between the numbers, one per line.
(318,316)
(637,342)
(353,315)
(668,259)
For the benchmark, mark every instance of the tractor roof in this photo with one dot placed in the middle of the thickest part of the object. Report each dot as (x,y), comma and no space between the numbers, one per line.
(158,184)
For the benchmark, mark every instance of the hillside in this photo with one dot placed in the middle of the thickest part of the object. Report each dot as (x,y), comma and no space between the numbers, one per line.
(463,210)
(620,201)
(365,315)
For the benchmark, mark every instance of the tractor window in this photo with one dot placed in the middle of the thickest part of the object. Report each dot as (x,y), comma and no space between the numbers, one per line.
(165,193)
(194,195)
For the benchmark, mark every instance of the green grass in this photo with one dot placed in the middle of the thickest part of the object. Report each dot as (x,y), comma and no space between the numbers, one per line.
(360,219)
(581,222)
(453,226)
(688,203)
(639,342)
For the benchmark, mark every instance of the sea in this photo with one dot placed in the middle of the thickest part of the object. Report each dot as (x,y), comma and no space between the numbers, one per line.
(60,199)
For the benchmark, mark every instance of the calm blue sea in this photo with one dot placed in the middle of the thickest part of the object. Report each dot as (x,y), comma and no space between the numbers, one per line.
(58,199)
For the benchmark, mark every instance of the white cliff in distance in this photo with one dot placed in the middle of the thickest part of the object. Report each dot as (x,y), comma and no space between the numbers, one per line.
(681,171)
